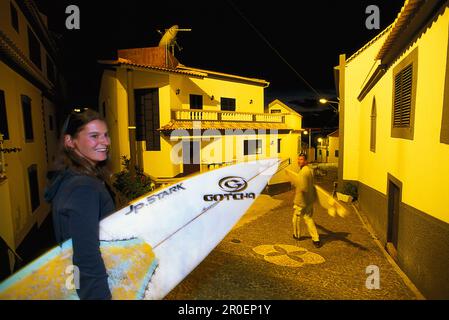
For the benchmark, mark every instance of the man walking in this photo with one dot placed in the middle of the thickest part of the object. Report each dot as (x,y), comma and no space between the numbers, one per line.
(305,196)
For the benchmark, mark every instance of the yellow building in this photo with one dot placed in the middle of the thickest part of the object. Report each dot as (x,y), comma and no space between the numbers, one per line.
(394,130)
(332,144)
(187,120)
(321,150)
(28,86)
(289,143)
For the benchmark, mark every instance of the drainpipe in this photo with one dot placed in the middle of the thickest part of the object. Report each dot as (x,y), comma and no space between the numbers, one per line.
(341,120)
(131,122)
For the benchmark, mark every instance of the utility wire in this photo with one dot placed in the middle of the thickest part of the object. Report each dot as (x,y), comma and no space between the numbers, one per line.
(273,48)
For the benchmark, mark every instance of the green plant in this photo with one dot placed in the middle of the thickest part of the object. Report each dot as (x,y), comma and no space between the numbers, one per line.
(349,189)
(132,187)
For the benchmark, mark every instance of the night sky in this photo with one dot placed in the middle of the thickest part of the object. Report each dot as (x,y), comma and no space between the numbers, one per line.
(271,40)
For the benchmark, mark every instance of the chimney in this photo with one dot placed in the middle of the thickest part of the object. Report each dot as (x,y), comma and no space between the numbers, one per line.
(153,56)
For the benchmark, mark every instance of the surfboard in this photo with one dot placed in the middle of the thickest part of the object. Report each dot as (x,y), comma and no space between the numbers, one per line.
(152,244)
(130,265)
(327,201)
(324,198)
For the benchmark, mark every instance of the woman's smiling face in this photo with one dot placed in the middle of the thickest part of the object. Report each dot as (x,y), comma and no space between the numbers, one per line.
(92,142)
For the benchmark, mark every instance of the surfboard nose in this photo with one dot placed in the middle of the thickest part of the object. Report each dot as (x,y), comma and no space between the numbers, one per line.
(156,215)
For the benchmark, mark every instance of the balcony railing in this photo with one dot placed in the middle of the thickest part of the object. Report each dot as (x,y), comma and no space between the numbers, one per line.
(207,115)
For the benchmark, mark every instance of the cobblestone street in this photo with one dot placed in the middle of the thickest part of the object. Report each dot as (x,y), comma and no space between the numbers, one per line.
(259,259)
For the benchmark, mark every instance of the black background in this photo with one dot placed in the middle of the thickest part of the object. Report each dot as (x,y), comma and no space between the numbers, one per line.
(228,36)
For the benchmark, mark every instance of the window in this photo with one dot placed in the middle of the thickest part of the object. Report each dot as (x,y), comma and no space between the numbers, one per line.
(196,101)
(34,49)
(14,17)
(336,153)
(3,117)
(403,98)
(275,111)
(227,104)
(279,145)
(33,183)
(50,70)
(404,91)
(373,126)
(147,118)
(27,118)
(251,147)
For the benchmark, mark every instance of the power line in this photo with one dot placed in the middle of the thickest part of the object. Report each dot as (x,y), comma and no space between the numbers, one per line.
(273,48)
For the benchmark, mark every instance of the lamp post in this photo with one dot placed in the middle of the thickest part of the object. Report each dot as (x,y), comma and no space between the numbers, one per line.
(320,140)
(310,138)
(330,102)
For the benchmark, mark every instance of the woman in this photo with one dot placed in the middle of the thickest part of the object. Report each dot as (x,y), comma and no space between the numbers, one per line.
(80,198)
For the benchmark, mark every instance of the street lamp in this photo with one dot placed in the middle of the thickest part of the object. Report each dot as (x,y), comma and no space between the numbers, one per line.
(330,102)
(320,148)
(310,137)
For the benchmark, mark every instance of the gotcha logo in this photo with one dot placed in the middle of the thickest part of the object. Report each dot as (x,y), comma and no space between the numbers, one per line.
(232,185)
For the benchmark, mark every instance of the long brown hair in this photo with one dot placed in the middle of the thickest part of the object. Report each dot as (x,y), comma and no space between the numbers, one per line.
(68,158)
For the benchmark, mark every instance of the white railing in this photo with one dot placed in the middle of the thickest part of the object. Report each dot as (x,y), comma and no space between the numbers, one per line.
(206,115)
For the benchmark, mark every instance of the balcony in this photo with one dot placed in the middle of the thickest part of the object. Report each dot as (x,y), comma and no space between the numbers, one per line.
(188,119)
(222,116)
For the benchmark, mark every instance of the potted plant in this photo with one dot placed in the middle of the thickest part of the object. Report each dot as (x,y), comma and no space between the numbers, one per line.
(348,193)
(131,187)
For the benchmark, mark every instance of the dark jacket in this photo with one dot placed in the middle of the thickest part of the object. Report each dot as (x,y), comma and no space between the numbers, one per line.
(79,202)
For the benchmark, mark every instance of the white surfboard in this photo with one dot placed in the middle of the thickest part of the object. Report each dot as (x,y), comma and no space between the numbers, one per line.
(184,222)
(154,243)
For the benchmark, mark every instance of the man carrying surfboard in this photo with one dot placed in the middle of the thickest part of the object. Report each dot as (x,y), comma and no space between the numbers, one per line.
(305,196)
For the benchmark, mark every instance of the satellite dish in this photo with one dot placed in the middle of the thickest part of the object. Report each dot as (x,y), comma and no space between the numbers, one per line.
(169,36)
(168,40)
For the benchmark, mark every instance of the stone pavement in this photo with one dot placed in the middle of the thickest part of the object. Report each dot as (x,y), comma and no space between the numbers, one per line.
(259,259)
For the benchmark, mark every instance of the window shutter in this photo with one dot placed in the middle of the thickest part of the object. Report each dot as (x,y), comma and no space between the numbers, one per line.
(147,117)
(27,118)
(34,49)
(403,98)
